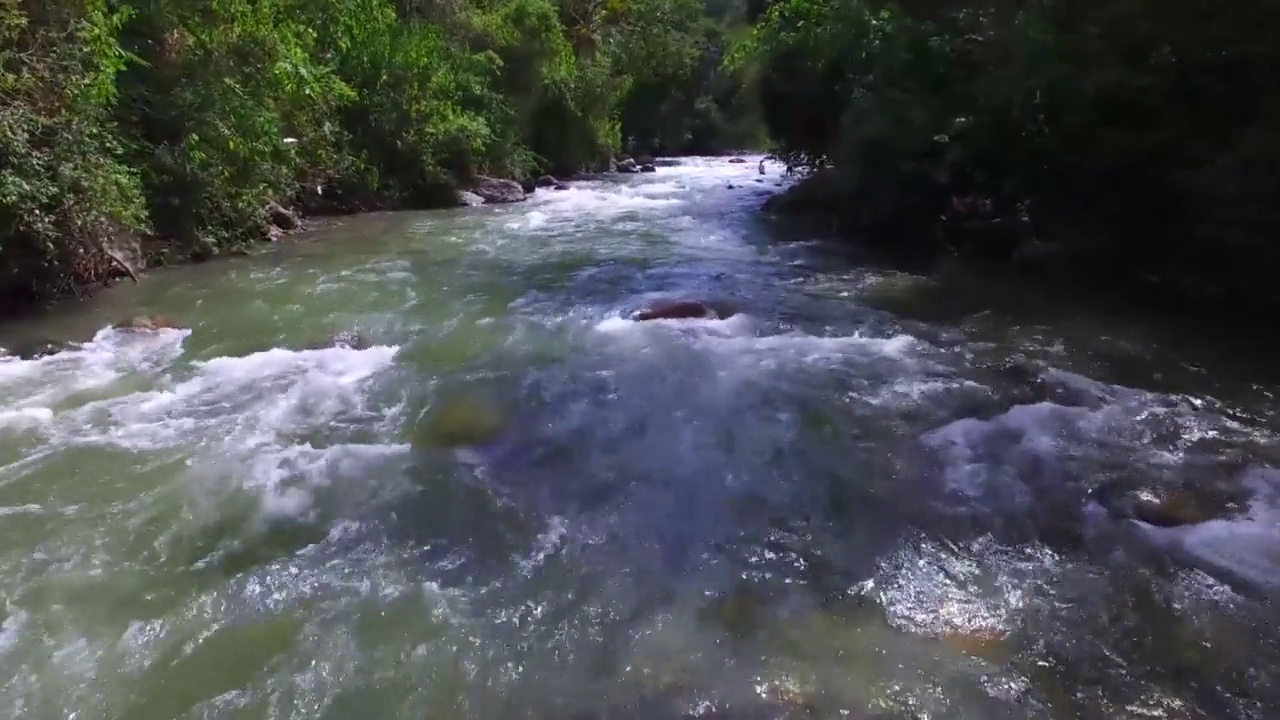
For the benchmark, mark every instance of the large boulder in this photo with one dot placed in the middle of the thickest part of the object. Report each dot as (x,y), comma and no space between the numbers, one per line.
(817,193)
(468,198)
(497,190)
(628,166)
(647,168)
(282,217)
(545,181)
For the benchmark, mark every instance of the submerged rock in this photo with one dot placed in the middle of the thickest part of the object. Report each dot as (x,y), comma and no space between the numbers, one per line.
(460,422)
(737,160)
(683,310)
(648,168)
(147,322)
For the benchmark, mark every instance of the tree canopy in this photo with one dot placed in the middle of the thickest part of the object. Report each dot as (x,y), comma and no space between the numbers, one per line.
(183,119)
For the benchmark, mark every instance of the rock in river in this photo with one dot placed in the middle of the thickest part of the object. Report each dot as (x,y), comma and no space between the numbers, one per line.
(147,322)
(496,190)
(38,349)
(345,339)
(683,310)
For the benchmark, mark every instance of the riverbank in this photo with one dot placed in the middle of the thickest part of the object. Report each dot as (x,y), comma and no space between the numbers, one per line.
(135,135)
(1061,244)
(128,257)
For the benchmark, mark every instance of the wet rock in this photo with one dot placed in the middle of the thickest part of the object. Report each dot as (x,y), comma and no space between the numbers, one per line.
(628,166)
(1186,506)
(545,181)
(498,191)
(817,193)
(147,323)
(561,186)
(682,310)
(645,160)
(737,160)
(347,339)
(648,168)
(468,198)
(281,217)
(529,185)
(1191,501)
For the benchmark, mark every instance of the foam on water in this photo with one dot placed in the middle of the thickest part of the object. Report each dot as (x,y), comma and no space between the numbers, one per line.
(95,365)
(249,534)
(241,417)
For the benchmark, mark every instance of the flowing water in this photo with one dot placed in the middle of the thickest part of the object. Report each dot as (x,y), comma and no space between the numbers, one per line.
(869,494)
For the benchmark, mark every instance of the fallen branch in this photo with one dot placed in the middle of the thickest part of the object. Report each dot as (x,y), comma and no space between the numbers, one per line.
(120,261)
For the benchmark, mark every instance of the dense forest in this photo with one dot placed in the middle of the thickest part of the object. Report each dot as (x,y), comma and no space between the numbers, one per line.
(1131,139)
(182,122)
(1131,142)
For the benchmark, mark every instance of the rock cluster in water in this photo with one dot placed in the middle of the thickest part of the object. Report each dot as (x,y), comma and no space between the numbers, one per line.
(486,190)
(628,164)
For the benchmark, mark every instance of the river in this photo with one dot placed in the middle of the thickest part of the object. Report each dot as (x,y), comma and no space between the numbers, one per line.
(871,493)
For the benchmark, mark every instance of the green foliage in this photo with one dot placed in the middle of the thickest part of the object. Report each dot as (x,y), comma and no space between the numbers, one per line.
(63,186)
(180,121)
(686,97)
(1130,112)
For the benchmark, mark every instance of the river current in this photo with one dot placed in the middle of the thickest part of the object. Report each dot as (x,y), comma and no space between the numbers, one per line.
(871,493)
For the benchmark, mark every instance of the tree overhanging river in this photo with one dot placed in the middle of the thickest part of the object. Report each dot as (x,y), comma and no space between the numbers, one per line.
(868,494)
